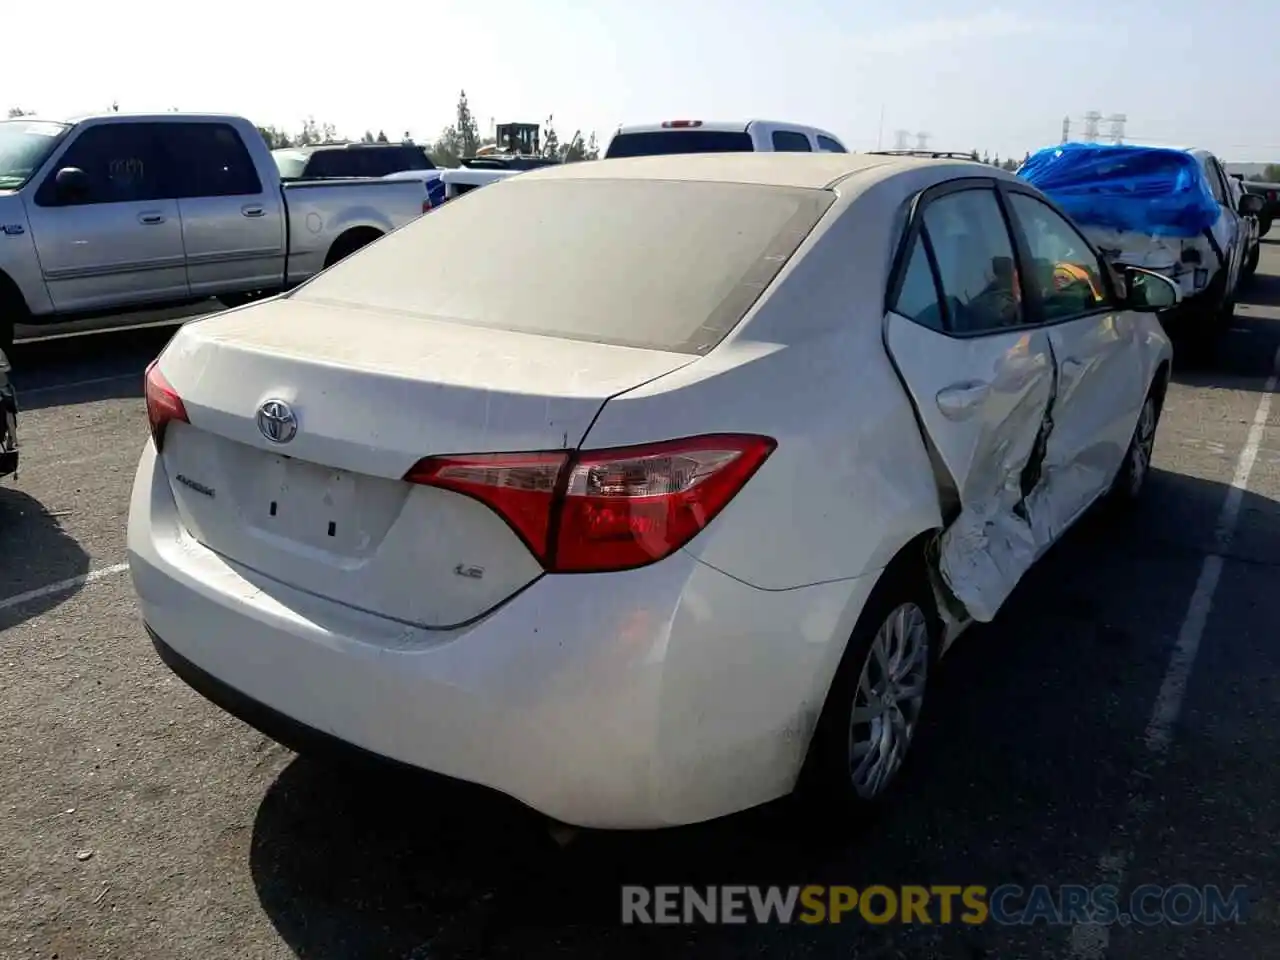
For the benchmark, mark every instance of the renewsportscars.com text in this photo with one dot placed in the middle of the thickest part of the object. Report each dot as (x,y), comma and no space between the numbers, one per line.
(1009,904)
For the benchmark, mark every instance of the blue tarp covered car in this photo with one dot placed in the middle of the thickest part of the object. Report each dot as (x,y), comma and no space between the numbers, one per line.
(1157,191)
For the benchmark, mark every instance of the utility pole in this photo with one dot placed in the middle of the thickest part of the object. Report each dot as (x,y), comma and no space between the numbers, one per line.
(880,129)
(1091,126)
(1116,122)
(1066,129)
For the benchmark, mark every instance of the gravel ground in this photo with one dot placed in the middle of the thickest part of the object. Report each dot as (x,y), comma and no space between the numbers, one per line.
(137,821)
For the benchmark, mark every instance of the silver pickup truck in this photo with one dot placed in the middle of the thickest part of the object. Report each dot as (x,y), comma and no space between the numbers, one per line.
(119,213)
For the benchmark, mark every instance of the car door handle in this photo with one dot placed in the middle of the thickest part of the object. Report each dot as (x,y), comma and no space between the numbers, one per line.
(960,399)
(150,219)
(252,211)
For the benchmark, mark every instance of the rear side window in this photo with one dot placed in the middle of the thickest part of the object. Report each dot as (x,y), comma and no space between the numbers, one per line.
(788,141)
(660,142)
(662,265)
(208,160)
(918,296)
(829,145)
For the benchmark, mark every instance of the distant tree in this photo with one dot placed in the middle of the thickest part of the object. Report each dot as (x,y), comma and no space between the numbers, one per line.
(382,137)
(368,137)
(1009,165)
(975,156)
(313,133)
(1271,173)
(275,138)
(578,149)
(986,158)
(15,112)
(468,130)
(550,140)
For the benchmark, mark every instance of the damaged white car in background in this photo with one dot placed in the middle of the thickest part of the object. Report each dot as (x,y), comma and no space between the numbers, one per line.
(663,507)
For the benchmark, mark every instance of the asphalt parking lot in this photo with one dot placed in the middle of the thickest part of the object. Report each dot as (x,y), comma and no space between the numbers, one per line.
(1117,723)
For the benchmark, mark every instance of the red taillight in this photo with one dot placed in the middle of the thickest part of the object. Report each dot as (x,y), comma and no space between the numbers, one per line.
(163,403)
(519,486)
(680,124)
(598,510)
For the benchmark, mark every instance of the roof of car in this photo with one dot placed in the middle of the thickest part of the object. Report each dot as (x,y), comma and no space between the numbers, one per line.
(816,171)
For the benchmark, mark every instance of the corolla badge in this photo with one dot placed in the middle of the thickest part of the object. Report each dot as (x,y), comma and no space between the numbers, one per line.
(277,422)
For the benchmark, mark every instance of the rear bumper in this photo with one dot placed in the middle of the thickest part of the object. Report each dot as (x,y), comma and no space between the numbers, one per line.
(661,696)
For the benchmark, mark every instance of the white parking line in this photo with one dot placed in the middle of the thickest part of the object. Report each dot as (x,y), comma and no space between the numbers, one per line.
(62,586)
(1089,941)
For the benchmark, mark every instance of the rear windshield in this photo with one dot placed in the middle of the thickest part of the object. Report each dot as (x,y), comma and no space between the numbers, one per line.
(664,265)
(659,142)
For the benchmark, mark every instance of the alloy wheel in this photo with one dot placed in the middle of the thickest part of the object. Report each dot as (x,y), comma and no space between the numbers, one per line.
(1144,439)
(888,700)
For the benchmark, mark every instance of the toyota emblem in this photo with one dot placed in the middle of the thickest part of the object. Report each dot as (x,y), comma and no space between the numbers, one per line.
(277,422)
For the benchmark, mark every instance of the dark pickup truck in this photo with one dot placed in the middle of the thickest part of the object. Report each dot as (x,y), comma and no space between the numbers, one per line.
(1270,193)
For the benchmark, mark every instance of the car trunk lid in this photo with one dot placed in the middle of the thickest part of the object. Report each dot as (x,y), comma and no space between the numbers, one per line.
(371,393)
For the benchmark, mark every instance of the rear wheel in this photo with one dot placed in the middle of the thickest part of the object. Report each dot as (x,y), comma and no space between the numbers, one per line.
(349,243)
(875,703)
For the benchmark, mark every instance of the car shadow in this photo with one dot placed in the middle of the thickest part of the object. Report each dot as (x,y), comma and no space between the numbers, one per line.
(37,553)
(83,369)
(1246,352)
(1021,773)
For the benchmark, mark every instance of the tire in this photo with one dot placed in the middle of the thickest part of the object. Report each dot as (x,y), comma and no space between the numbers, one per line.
(1131,480)
(1251,261)
(12,312)
(349,243)
(870,718)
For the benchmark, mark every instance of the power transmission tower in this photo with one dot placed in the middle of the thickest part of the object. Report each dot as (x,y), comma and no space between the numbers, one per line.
(1116,122)
(922,141)
(1091,126)
(1066,129)
(900,139)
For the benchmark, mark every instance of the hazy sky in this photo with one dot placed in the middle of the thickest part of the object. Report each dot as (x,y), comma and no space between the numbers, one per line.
(974,75)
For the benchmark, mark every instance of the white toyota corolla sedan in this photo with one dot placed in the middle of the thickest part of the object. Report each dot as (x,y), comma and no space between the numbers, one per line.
(646,490)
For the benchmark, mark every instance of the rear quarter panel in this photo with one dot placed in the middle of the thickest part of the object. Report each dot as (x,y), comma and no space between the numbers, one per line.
(321,212)
(850,482)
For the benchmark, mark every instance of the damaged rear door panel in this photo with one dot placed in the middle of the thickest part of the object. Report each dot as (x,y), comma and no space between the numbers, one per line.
(983,384)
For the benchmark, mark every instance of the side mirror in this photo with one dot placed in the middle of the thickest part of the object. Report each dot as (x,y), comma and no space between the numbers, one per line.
(1149,292)
(1251,205)
(71,184)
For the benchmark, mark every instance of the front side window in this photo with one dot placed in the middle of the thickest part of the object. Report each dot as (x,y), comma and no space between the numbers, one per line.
(829,145)
(120,162)
(975,261)
(1063,269)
